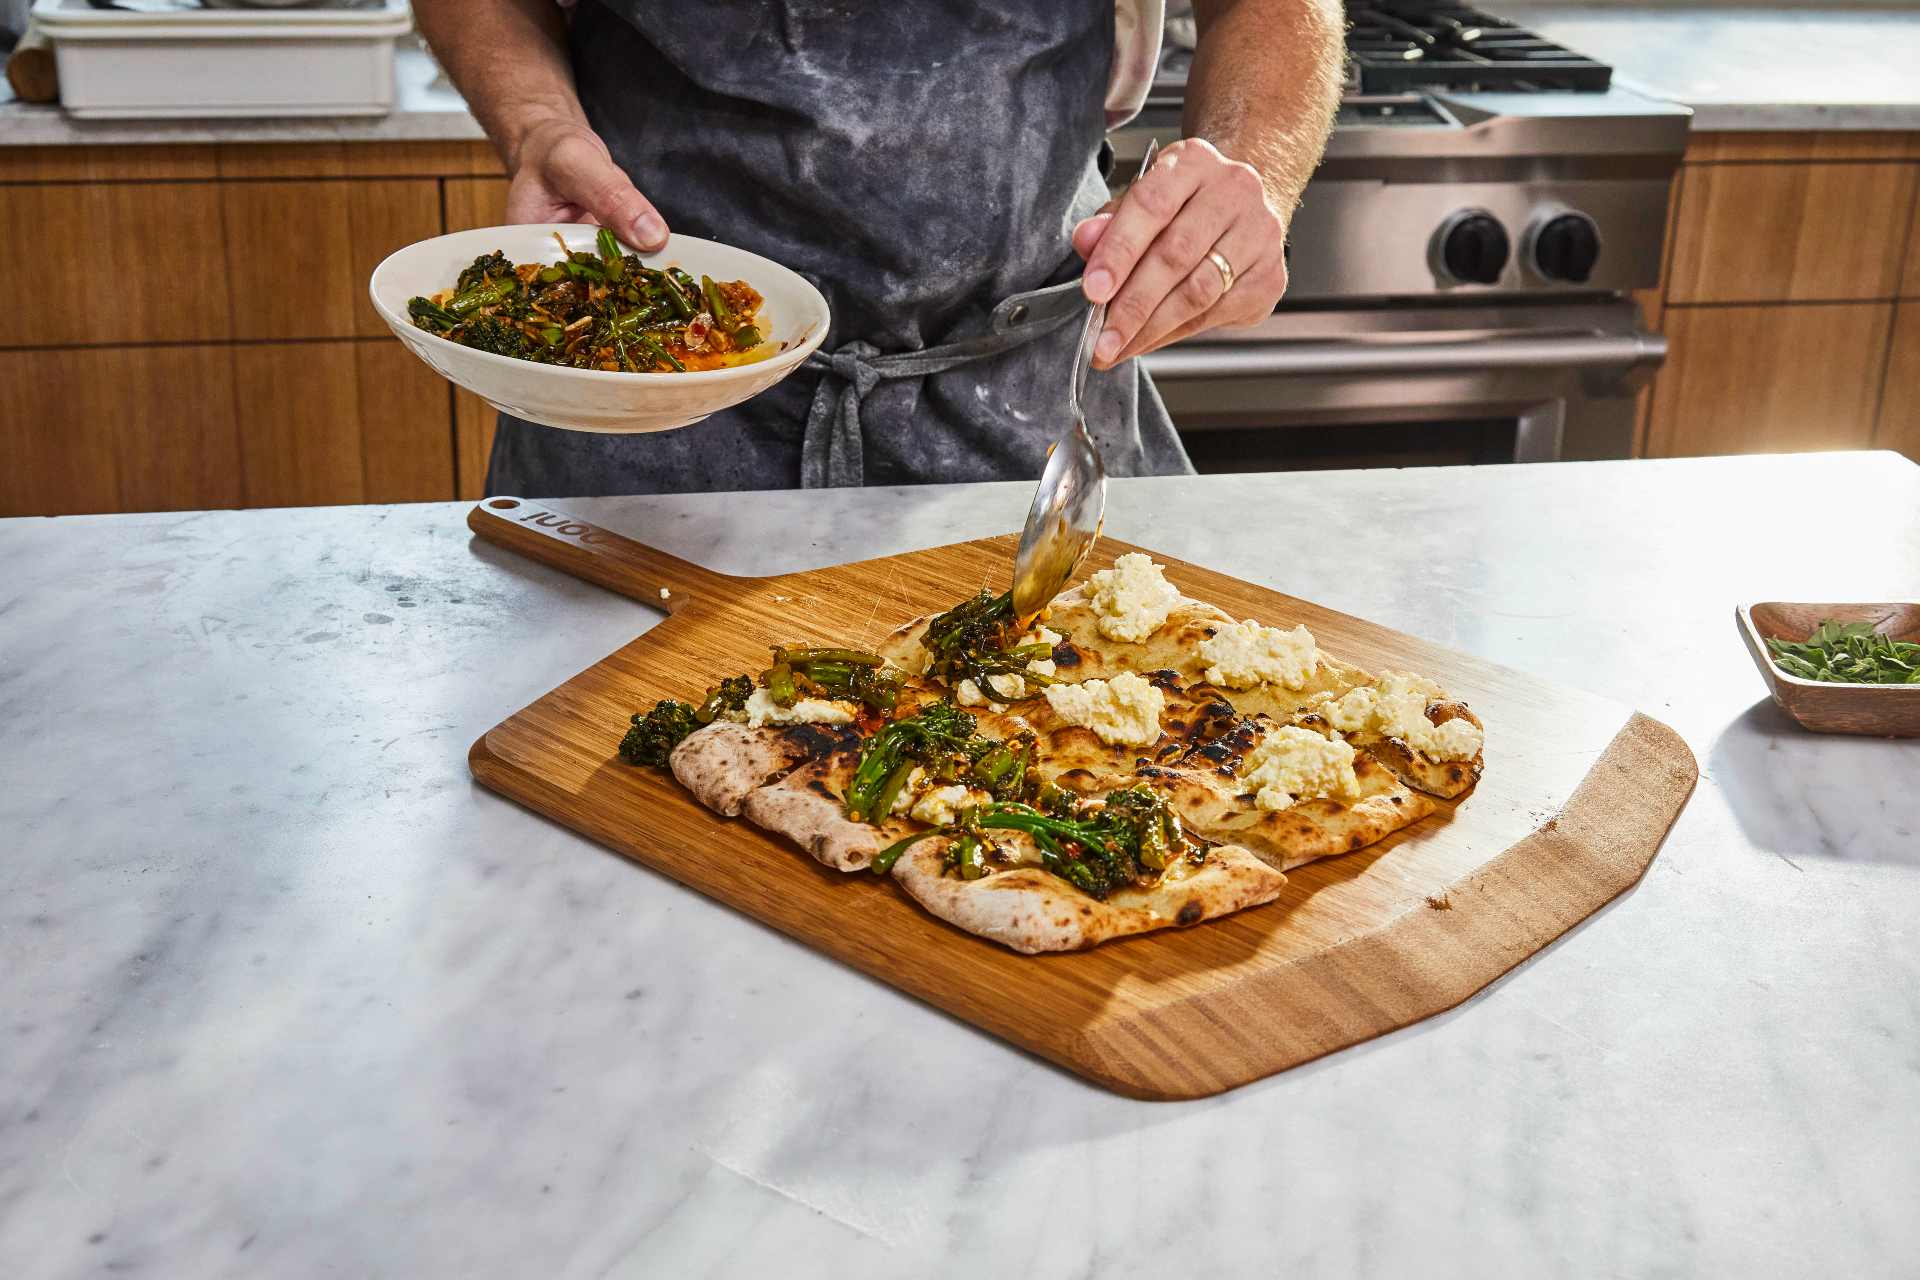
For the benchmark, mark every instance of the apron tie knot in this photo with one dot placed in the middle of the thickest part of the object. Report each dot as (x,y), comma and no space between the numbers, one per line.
(833,450)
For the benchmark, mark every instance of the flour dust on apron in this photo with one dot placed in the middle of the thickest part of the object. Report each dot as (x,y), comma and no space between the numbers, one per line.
(923,163)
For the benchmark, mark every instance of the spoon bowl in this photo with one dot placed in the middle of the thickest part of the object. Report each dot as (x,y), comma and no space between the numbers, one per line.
(1064,521)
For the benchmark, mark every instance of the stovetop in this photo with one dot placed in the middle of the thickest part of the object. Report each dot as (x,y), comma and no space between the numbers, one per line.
(1398,50)
(1398,45)
(1470,159)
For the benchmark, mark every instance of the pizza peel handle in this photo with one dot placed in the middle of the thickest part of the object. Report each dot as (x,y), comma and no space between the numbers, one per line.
(541,531)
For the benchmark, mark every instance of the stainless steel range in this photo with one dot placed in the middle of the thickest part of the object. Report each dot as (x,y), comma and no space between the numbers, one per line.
(1459,266)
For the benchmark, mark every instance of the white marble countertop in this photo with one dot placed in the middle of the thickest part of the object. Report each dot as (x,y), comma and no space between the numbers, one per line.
(426,108)
(284,993)
(1753,67)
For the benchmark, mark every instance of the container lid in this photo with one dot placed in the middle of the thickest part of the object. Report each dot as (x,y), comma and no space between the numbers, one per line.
(78,20)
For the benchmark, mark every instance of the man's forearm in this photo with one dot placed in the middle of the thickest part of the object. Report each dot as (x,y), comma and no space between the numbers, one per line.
(509,60)
(1265,85)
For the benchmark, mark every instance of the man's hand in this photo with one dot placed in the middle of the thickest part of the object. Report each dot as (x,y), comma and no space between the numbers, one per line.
(1261,96)
(562,172)
(1149,259)
(509,59)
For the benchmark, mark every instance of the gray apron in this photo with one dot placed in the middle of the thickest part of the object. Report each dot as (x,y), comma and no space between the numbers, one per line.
(923,163)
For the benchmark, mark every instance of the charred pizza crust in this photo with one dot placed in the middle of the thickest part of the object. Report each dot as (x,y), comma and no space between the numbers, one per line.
(809,807)
(1075,756)
(1175,647)
(1448,779)
(723,763)
(1214,802)
(1033,911)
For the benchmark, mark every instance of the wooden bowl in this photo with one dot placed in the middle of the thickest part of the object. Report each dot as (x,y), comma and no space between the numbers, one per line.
(1885,710)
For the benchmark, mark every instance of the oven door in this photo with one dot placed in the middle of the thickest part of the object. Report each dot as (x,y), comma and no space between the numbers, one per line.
(1411,385)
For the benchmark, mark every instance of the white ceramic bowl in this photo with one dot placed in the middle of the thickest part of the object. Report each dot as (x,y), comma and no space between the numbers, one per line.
(794,316)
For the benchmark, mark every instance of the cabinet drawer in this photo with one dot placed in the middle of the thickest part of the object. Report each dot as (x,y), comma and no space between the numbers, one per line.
(118,429)
(299,253)
(1900,403)
(1910,285)
(103,263)
(476,202)
(1790,232)
(1769,379)
(334,422)
(474,422)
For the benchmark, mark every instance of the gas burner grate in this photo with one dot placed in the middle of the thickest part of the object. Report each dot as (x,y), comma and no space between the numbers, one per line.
(1397,45)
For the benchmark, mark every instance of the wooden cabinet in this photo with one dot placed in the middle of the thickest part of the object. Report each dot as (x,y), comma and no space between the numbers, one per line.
(476,202)
(1768,379)
(91,263)
(113,429)
(233,360)
(1784,232)
(1900,400)
(1910,282)
(340,422)
(1786,257)
(299,253)
(474,421)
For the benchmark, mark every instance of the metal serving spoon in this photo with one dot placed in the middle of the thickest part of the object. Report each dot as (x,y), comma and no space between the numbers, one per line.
(1064,521)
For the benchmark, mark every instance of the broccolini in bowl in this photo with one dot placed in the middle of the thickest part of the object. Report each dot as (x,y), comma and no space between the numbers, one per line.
(593,337)
(604,309)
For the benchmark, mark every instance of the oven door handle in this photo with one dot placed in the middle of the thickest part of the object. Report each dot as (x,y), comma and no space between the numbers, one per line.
(1619,352)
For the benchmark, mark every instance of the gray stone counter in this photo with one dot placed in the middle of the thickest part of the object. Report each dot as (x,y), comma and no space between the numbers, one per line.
(284,993)
(1752,67)
(426,108)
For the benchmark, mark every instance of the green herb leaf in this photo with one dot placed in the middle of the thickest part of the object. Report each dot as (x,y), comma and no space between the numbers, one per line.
(1848,653)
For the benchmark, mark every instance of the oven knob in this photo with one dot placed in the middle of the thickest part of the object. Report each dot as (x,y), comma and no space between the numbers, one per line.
(1474,248)
(1565,247)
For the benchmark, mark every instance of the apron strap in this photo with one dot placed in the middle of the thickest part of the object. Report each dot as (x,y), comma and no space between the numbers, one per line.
(833,451)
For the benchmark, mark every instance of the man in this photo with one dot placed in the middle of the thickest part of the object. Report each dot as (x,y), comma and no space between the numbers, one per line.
(931,165)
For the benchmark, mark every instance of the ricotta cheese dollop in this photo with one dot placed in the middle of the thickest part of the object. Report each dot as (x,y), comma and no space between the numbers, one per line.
(1124,710)
(935,805)
(1292,764)
(1131,601)
(1244,654)
(940,806)
(761,709)
(1395,706)
(968,694)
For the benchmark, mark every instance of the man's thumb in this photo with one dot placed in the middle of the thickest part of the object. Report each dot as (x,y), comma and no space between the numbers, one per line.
(1088,233)
(597,185)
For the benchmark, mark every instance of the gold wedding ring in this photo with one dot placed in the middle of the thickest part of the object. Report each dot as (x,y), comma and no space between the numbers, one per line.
(1225,269)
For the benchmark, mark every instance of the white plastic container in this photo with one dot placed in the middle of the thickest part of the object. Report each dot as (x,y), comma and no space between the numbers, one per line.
(122,64)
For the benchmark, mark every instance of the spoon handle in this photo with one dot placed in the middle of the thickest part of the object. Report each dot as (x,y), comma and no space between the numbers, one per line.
(1097,315)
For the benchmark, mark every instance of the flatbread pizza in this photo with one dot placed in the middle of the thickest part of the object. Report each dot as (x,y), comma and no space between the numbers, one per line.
(1133,760)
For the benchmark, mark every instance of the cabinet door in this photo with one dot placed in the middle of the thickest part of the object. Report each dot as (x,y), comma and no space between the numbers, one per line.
(475,202)
(111,262)
(1900,402)
(1790,232)
(1910,283)
(336,422)
(1766,379)
(473,426)
(118,429)
(406,436)
(299,253)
